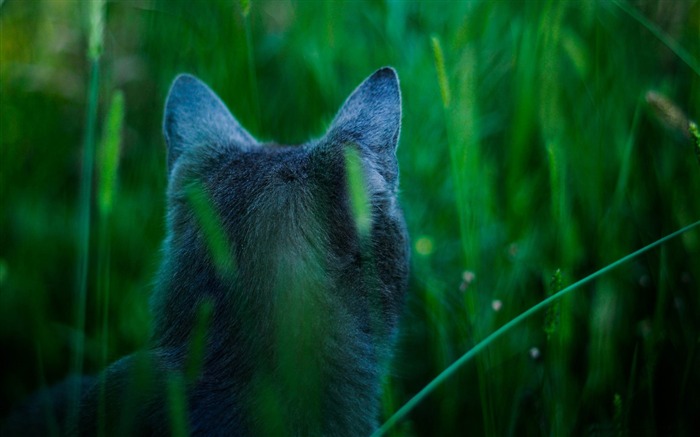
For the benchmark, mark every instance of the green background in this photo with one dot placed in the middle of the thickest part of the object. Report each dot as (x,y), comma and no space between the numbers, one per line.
(537,136)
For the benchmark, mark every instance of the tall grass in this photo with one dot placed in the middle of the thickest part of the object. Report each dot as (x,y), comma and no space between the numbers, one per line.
(537,137)
(108,164)
(403,411)
(95,45)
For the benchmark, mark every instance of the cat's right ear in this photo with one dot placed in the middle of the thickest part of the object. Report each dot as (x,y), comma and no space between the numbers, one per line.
(195,116)
(371,118)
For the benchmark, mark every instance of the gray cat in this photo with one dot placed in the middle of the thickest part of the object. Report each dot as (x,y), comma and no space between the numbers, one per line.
(277,301)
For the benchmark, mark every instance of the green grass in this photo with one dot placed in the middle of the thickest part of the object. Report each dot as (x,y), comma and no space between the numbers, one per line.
(108,165)
(95,41)
(537,137)
(444,375)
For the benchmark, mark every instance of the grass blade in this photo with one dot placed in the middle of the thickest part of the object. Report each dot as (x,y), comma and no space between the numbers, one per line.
(108,163)
(212,227)
(96,29)
(445,374)
(672,45)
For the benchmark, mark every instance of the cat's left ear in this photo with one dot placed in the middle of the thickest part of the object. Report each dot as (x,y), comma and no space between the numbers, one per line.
(371,118)
(195,117)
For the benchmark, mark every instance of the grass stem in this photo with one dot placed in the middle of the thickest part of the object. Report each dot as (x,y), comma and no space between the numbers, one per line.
(448,372)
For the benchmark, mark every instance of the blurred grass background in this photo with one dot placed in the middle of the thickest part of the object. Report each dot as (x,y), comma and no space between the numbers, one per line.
(541,140)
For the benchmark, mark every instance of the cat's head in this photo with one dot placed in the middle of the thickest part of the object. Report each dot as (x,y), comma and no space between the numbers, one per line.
(322,215)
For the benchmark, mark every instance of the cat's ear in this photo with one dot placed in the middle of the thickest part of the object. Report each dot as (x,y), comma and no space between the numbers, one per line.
(195,116)
(371,118)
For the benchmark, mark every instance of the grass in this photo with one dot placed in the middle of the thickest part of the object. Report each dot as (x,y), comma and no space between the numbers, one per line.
(108,159)
(444,375)
(538,137)
(96,28)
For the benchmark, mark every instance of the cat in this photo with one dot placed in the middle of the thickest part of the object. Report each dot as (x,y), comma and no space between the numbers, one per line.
(283,277)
